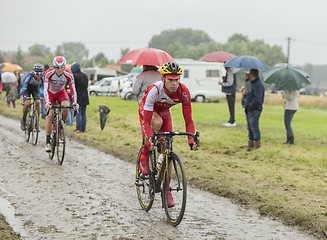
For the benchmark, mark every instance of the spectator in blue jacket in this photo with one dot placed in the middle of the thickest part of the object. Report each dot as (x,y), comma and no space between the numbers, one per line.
(253,108)
(229,88)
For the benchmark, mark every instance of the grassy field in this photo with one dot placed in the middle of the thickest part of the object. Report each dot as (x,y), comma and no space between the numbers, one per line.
(283,181)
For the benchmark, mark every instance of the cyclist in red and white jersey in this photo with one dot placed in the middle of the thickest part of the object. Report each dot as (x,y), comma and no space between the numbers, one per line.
(55,80)
(154,111)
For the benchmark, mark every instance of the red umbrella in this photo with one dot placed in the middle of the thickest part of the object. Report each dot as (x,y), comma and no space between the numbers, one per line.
(146,56)
(217,57)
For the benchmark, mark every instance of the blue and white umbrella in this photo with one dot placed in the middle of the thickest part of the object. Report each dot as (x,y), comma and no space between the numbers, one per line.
(247,62)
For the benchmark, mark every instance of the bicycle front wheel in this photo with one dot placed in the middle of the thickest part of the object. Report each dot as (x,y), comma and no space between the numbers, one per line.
(176,185)
(28,127)
(61,142)
(35,129)
(53,144)
(144,186)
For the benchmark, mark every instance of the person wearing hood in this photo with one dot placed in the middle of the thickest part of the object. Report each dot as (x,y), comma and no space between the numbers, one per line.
(81,85)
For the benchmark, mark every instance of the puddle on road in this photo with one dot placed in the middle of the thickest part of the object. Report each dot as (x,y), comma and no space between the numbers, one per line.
(9,212)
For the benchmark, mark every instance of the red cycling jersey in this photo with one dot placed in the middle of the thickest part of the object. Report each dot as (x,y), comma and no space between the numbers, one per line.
(54,86)
(158,99)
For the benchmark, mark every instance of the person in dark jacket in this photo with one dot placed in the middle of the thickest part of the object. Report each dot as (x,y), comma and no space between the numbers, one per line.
(81,85)
(253,108)
(229,88)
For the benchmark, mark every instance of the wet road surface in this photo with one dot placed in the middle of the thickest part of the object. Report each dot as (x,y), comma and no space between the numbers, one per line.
(92,196)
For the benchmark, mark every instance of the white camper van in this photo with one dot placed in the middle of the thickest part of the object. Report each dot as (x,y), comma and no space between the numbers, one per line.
(96,74)
(202,78)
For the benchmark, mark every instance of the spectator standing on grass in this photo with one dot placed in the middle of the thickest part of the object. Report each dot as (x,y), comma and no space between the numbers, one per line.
(70,119)
(81,85)
(291,105)
(229,88)
(19,82)
(43,112)
(253,108)
(149,75)
(10,88)
(0,86)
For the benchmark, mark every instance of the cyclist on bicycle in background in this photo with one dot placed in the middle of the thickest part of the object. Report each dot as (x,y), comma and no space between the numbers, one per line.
(54,90)
(154,112)
(31,85)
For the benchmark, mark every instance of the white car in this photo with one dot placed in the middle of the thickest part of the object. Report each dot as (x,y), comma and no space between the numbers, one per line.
(105,87)
(126,89)
(108,86)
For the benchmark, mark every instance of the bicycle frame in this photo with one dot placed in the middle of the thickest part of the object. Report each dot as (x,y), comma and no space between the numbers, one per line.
(168,139)
(169,178)
(58,138)
(32,109)
(33,124)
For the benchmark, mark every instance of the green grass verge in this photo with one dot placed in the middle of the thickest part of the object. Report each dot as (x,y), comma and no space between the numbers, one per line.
(282,181)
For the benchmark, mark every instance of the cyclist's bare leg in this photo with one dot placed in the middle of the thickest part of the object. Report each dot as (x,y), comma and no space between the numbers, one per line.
(26,106)
(48,123)
(65,111)
(156,123)
(38,107)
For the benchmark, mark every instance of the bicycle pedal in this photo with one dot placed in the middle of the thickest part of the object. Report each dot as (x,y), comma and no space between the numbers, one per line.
(139,184)
(142,176)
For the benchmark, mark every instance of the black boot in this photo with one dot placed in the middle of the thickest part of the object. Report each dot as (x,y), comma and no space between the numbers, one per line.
(290,140)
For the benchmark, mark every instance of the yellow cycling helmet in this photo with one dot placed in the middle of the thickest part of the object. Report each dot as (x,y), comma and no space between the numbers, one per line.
(172,70)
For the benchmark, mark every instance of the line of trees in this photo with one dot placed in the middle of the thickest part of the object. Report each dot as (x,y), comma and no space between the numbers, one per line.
(194,44)
(179,43)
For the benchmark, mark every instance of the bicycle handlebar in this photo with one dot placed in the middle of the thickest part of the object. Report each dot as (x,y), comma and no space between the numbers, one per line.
(59,107)
(30,98)
(196,136)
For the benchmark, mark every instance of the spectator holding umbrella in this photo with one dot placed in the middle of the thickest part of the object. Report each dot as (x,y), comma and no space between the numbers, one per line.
(290,79)
(9,85)
(253,108)
(291,105)
(254,96)
(229,88)
(149,75)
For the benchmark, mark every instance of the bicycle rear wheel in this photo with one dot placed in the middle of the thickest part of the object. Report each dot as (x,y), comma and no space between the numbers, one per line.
(144,186)
(35,129)
(61,142)
(177,185)
(28,127)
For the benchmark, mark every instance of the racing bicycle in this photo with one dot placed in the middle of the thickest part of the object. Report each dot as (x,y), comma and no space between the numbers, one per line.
(58,137)
(166,175)
(32,126)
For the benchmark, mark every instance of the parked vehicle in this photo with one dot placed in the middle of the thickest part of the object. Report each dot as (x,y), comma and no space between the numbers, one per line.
(96,74)
(202,78)
(105,87)
(126,89)
(108,86)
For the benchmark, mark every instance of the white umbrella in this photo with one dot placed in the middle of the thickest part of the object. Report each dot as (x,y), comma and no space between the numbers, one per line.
(8,77)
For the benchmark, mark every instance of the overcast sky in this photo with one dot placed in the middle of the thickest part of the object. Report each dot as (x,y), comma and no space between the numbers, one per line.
(109,25)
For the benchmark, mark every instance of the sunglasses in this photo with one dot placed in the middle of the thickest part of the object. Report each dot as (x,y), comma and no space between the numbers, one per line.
(63,67)
(38,73)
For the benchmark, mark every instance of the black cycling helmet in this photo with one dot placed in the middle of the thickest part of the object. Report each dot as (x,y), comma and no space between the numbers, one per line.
(172,70)
(38,68)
